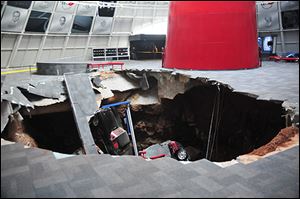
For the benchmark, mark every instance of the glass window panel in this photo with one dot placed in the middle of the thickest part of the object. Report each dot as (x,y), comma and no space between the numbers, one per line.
(290,19)
(19,4)
(82,24)
(106,11)
(38,21)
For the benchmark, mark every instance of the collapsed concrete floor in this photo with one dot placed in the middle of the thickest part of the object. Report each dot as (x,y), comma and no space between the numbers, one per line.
(208,118)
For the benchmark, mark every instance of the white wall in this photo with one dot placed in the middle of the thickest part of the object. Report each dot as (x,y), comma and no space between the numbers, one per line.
(287,38)
(26,48)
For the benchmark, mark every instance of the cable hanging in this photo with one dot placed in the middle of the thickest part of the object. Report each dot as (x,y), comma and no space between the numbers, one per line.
(214,124)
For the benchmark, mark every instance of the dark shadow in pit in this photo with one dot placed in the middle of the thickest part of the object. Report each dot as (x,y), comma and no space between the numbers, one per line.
(240,123)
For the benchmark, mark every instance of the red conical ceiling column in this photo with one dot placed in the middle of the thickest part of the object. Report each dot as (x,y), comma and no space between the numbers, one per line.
(211,35)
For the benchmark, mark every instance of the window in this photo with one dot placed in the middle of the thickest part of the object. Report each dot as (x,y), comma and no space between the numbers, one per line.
(106,11)
(290,19)
(38,21)
(1,5)
(19,4)
(82,24)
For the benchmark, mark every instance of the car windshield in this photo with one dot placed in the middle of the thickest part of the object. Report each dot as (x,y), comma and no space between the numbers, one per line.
(291,54)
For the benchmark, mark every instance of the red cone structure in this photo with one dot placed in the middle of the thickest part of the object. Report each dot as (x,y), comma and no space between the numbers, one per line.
(211,35)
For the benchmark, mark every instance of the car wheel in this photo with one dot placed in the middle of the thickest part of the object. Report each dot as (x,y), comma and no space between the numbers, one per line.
(182,155)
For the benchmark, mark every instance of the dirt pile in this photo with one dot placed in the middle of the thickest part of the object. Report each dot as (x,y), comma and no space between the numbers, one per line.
(281,140)
(17,131)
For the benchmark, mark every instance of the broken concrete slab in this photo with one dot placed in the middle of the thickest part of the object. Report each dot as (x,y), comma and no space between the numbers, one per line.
(143,81)
(96,81)
(6,110)
(105,92)
(52,108)
(38,90)
(175,84)
(45,87)
(15,96)
(80,92)
(49,101)
(84,105)
(98,87)
(50,89)
(60,67)
(118,82)
(148,97)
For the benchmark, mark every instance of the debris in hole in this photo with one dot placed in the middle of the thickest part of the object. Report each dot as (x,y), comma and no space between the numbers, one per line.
(143,80)
(184,112)
(285,139)
(280,140)
(17,131)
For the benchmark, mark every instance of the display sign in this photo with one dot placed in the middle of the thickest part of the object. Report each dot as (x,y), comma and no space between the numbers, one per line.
(61,23)
(86,10)
(66,7)
(106,11)
(45,6)
(102,25)
(13,19)
(267,44)
(268,21)
(267,7)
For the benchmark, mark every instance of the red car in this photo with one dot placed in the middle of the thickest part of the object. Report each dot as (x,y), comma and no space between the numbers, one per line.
(168,148)
(292,57)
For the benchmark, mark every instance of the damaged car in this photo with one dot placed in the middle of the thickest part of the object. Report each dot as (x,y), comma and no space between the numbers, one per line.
(108,133)
(168,148)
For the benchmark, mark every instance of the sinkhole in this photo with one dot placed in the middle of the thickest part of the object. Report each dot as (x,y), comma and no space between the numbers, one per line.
(208,118)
